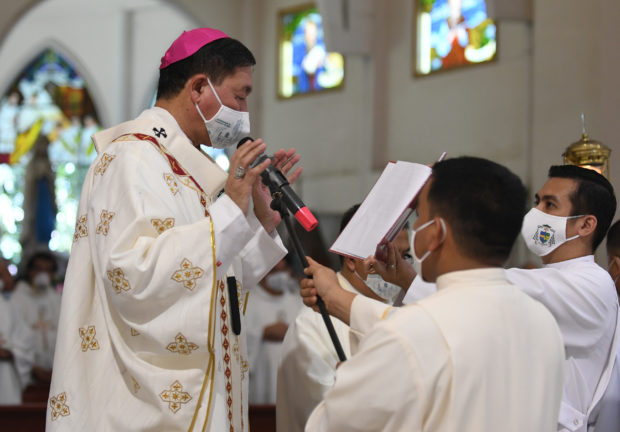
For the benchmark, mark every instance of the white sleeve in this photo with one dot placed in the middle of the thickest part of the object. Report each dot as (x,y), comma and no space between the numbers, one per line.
(577,300)
(366,312)
(261,253)
(358,401)
(307,368)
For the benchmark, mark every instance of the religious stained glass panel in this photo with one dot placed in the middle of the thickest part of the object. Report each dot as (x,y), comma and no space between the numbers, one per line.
(452,34)
(47,118)
(304,65)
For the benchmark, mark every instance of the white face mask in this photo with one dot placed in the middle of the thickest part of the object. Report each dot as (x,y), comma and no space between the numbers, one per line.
(386,290)
(417,262)
(227,126)
(543,233)
(279,281)
(42,281)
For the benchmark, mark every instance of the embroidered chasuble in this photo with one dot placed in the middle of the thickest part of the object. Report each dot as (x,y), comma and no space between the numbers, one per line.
(145,338)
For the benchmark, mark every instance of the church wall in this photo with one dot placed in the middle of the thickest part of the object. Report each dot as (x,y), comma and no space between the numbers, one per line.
(479,111)
(332,130)
(575,70)
(522,110)
(384,113)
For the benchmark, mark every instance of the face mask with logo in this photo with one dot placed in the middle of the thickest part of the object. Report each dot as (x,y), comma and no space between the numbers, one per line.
(417,262)
(543,233)
(227,126)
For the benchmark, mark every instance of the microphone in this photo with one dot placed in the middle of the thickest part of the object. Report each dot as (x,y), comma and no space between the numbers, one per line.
(278,184)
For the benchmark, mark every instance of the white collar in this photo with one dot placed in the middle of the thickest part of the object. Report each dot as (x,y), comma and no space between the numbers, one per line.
(479,277)
(566,263)
(151,122)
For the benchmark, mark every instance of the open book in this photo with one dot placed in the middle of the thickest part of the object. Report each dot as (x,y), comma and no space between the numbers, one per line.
(384,212)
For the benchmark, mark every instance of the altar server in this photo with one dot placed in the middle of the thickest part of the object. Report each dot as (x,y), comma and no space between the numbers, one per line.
(308,363)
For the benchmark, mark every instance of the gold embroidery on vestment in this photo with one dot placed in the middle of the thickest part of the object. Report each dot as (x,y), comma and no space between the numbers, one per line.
(81,230)
(172,183)
(59,406)
(103,164)
(162,225)
(89,341)
(175,396)
(187,274)
(134,332)
(104,225)
(181,345)
(119,283)
(136,386)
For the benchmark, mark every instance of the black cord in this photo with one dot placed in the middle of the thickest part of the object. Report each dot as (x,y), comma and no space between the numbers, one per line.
(277,204)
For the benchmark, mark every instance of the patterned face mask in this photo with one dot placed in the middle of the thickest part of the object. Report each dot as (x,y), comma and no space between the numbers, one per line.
(227,126)
(543,233)
(386,290)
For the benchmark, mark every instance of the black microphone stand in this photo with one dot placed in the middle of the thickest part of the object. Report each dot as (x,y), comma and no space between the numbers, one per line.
(278,205)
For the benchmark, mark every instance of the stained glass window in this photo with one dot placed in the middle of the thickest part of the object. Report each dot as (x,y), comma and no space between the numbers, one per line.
(453,33)
(304,65)
(47,118)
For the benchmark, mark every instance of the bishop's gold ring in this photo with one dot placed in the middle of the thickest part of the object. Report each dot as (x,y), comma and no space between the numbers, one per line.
(391,266)
(239,172)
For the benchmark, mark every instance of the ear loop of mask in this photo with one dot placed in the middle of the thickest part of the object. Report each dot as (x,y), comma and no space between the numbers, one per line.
(424,225)
(216,96)
(576,235)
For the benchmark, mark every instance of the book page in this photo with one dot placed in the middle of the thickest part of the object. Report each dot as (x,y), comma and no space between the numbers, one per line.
(382,209)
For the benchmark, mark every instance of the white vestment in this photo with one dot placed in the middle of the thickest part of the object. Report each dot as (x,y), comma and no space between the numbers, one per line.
(17,338)
(145,337)
(608,412)
(582,297)
(476,356)
(418,290)
(265,309)
(308,365)
(39,310)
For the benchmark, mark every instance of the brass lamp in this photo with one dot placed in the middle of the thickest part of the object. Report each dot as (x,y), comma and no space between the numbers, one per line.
(588,153)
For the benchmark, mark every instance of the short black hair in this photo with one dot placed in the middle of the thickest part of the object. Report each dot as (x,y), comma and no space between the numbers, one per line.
(613,240)
(482,202)
(41,255)
(217,59)
(594,195)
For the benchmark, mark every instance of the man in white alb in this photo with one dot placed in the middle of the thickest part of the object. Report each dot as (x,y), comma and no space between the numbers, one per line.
(273,307)
(151,337)
(478,355)
(16,347)
(308,362)
(607,413)
(36,304)
(574,209)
